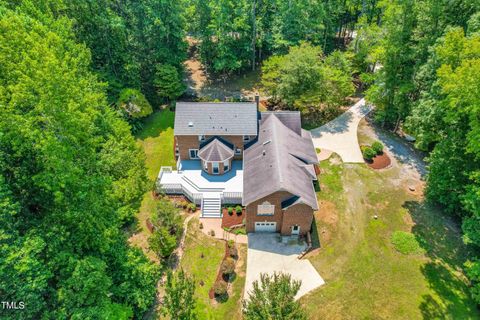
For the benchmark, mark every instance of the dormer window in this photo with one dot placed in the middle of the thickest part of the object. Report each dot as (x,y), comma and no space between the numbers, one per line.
(201,137)
(246,138)
(190,124)
(238,151)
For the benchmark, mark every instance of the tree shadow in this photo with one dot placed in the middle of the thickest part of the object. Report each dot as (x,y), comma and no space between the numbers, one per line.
(337,125)
(156,123)
(441,238)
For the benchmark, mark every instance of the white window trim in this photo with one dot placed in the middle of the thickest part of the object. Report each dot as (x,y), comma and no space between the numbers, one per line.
(201,137)
(238,151)
(265,209)
(213,167)
(226,164)
(246,138)
(190,153)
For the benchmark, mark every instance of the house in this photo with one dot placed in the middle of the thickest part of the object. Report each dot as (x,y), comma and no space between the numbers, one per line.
(230,153)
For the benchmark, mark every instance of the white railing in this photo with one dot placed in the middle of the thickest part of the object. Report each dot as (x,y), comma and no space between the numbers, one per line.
(177,188)
(162,171)
(232,197)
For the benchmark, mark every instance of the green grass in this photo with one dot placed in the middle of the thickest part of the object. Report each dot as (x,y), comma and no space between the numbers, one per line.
(366,277)
(156,139)
(405,242)
(205,270)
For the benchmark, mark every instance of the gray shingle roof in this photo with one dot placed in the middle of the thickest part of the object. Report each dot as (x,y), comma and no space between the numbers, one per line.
(215,118)
(291,119)
(277,162)
(215,151)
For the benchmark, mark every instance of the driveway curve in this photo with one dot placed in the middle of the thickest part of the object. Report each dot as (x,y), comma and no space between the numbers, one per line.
(340,134)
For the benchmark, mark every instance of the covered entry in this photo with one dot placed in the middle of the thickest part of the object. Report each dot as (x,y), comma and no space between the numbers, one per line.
(265,226)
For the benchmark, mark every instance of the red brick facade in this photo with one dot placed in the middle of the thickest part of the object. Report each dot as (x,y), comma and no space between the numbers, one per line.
(299,214)
(184,143)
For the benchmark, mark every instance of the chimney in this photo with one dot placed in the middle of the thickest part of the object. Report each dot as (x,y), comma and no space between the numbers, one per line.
(257,100)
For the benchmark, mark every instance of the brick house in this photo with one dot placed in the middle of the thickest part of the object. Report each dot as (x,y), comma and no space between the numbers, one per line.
(232,153)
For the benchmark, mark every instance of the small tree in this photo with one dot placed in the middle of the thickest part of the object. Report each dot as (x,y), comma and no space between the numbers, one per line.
(168,82)
(228,266)
(162,242)
(274,298)
(134,103)
(377,146)
(179,300)
(220,288)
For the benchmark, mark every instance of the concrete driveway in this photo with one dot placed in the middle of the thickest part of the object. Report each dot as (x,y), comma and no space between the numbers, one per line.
(267,254)
(340,134)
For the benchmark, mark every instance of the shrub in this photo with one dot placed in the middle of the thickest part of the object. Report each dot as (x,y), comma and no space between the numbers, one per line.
(192,207)
(201,226)
(220,288)
(228,266)
(238,209)
(377,146)
(405,242)
(240,231)
(318,150)
(230,211)
(230,243)
(212,233)
(162,242)
(369,153)
(184,204)
(233,252)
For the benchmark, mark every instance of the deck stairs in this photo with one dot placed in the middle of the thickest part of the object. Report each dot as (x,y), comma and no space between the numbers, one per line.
(211,205)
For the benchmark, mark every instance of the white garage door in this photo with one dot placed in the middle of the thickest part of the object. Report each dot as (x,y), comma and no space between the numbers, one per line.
(265,226)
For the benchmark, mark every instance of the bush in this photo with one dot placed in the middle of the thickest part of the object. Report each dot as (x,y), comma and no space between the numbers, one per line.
(230,211)
(184,204)
(318,150)
(233,252)
(240,231)
(231,243)
(405,242)
(220,288)
(212,233)
(368,153)
(134,103)
(192,207)
(238,209)
(377,146)
(228,266)
(201,226)
(162,242)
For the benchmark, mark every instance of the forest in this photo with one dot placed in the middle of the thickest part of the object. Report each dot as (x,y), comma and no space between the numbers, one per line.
(77,79)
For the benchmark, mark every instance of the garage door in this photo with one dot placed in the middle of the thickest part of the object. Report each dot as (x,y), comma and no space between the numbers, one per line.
(265,226)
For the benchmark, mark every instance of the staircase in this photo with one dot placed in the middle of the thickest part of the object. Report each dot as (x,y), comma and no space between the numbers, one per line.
(211,206)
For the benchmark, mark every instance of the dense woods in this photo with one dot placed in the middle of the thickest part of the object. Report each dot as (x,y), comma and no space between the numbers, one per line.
(76,77)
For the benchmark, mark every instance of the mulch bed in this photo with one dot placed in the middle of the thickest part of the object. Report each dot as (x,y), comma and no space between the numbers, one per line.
(232,220)
(380,162)
(211,292)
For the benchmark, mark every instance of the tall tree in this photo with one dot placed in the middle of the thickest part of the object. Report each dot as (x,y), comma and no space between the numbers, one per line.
(179,300)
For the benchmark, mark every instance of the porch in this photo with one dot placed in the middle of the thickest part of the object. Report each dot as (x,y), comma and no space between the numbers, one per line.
(208,191)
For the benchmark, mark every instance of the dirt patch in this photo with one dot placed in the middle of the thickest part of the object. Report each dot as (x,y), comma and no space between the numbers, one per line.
(232,220)
(380,161)
(414,187)
(327,213)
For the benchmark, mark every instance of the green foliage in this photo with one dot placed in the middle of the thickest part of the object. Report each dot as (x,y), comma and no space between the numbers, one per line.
(405,242)
(168,82)
(134,103)
(168,227)
(304,80)
(230,210)
(179,300)
(368,153)
(238,209)
(72,175)
(220,288)
(318,150)
(377,146)
(273,297)
(228,266)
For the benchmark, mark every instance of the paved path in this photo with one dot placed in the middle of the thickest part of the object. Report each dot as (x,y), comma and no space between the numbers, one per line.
(266,254)
(215,224)
(340,134)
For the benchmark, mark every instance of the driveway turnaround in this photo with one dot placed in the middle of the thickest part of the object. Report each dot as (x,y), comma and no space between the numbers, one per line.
(267,254)
(340,134)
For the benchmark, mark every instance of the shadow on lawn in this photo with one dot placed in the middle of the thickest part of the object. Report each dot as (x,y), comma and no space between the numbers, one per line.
(156,123)
(440,236)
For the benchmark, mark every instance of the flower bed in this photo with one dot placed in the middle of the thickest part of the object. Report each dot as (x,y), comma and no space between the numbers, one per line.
(233,219)
(221,282)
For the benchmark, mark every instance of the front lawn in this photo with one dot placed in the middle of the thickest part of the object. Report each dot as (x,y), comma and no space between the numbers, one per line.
(366,276)
(202,258)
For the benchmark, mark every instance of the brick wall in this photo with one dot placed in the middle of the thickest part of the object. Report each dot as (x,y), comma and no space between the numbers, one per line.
(191,142)
(300,214)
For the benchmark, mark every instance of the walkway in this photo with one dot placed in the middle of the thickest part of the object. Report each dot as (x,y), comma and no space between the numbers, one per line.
(340,134)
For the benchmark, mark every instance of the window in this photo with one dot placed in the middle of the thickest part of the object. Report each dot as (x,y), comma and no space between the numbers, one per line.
(177,151)
(201,138)
(246,138)
(238,151)
(205,165)
(215,167)
(193,153)
(265,209)
(226,165)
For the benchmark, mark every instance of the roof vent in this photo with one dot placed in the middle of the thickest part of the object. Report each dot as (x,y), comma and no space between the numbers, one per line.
(263,152)
(190,124)
(267,142)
